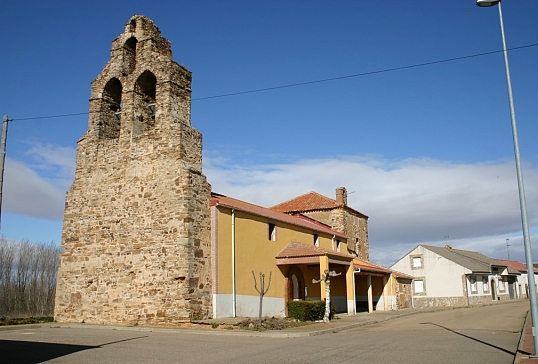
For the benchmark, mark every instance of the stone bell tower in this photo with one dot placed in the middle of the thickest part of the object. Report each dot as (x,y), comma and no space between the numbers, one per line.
(136,228)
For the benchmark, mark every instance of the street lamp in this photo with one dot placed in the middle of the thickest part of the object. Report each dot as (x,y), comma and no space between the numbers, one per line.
(522,203)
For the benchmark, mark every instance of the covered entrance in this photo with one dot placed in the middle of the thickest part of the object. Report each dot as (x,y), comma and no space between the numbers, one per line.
(301,263)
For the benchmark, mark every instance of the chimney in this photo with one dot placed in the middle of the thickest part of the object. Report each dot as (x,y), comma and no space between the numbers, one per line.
(341,196)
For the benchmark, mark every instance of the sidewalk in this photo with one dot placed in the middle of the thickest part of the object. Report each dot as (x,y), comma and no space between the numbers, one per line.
(526,344)
(341,322)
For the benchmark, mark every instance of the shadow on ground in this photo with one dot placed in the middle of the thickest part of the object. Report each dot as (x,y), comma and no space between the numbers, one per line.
(26,352)
(470,337)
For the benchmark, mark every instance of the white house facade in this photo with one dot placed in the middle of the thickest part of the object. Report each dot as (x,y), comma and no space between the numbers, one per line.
(444,276)
(521,286)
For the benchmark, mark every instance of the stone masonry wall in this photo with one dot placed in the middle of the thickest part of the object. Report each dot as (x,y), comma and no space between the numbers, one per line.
(354,227)
(136,228)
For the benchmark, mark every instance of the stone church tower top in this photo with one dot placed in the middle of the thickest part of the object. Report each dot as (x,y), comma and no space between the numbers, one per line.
(141,87)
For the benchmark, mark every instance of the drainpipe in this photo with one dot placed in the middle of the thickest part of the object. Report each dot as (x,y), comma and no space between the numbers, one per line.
(391,292)
(466,287)
(354,288)
(234,313)
(413,292)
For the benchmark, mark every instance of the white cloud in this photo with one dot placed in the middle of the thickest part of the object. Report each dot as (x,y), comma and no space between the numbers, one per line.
(53,160)
(409,202)
(27,193)
(37,186)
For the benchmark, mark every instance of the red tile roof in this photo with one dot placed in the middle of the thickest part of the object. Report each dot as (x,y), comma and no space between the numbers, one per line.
(369,266)
(296,249)
(515,265)
(302,221)
(301,250)
(311,201)
(307,202)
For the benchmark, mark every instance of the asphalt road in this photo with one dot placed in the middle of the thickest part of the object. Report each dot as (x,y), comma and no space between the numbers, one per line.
(488,334)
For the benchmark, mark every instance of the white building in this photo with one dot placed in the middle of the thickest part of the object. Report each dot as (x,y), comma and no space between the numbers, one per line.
(451,277)
(522,283)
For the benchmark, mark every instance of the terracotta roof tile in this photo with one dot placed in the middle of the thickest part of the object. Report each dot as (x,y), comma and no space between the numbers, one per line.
(515,265)
(372,267)
(369,266)
(312,201)
(303,221)
(296,249)
(307,202)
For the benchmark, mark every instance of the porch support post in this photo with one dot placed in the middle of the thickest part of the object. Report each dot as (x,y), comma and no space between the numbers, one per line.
(350,289)
(323,264)
(385,298)
(370,298)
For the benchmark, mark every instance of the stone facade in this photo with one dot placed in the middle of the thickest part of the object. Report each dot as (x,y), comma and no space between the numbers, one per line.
(346,221)
(136,229)
(404,295)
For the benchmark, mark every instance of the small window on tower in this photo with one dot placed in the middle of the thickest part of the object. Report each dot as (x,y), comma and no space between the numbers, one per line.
(316,239)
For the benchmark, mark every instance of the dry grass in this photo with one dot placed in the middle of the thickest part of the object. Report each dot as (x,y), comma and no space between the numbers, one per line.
(269,323)
(4,321)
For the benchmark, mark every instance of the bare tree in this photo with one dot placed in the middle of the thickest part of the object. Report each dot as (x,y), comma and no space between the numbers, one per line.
(27,278)
(7,257)
(262,291)
(327,279)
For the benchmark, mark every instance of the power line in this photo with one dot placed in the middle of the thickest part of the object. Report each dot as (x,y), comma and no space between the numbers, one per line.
(50,117)
(362,74)
(315,81)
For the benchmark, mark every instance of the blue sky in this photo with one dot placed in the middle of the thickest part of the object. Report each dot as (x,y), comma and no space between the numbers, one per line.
(425,151)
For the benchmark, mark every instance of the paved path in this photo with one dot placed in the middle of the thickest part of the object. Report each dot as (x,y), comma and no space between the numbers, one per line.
(465,335)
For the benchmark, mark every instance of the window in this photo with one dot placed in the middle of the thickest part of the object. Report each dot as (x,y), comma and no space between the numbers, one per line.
(418,285)
(416,262)
(474,286)
(316,239)
(337,245)
(271,231)
(502,286)
(485,284)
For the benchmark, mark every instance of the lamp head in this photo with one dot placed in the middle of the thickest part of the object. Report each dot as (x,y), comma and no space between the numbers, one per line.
(486,3)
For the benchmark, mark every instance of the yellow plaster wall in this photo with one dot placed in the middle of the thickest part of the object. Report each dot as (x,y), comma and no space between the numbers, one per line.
(311,272)
(338,283)
(255,252)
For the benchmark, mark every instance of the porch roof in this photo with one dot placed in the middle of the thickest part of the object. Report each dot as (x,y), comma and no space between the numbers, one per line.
(301,253)
(370,267)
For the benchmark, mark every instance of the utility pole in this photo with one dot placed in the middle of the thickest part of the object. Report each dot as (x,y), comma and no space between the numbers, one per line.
(2,159)
(507,248)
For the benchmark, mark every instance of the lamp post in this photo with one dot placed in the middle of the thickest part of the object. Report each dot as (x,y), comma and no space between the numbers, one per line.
(522,203)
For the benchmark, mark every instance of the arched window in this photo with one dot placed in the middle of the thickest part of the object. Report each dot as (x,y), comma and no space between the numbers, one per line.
(146,85)
(110,117)
(129,55)
(296,284)
(145,102)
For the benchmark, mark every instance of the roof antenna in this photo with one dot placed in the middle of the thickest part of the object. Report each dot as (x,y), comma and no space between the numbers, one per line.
(446,242)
